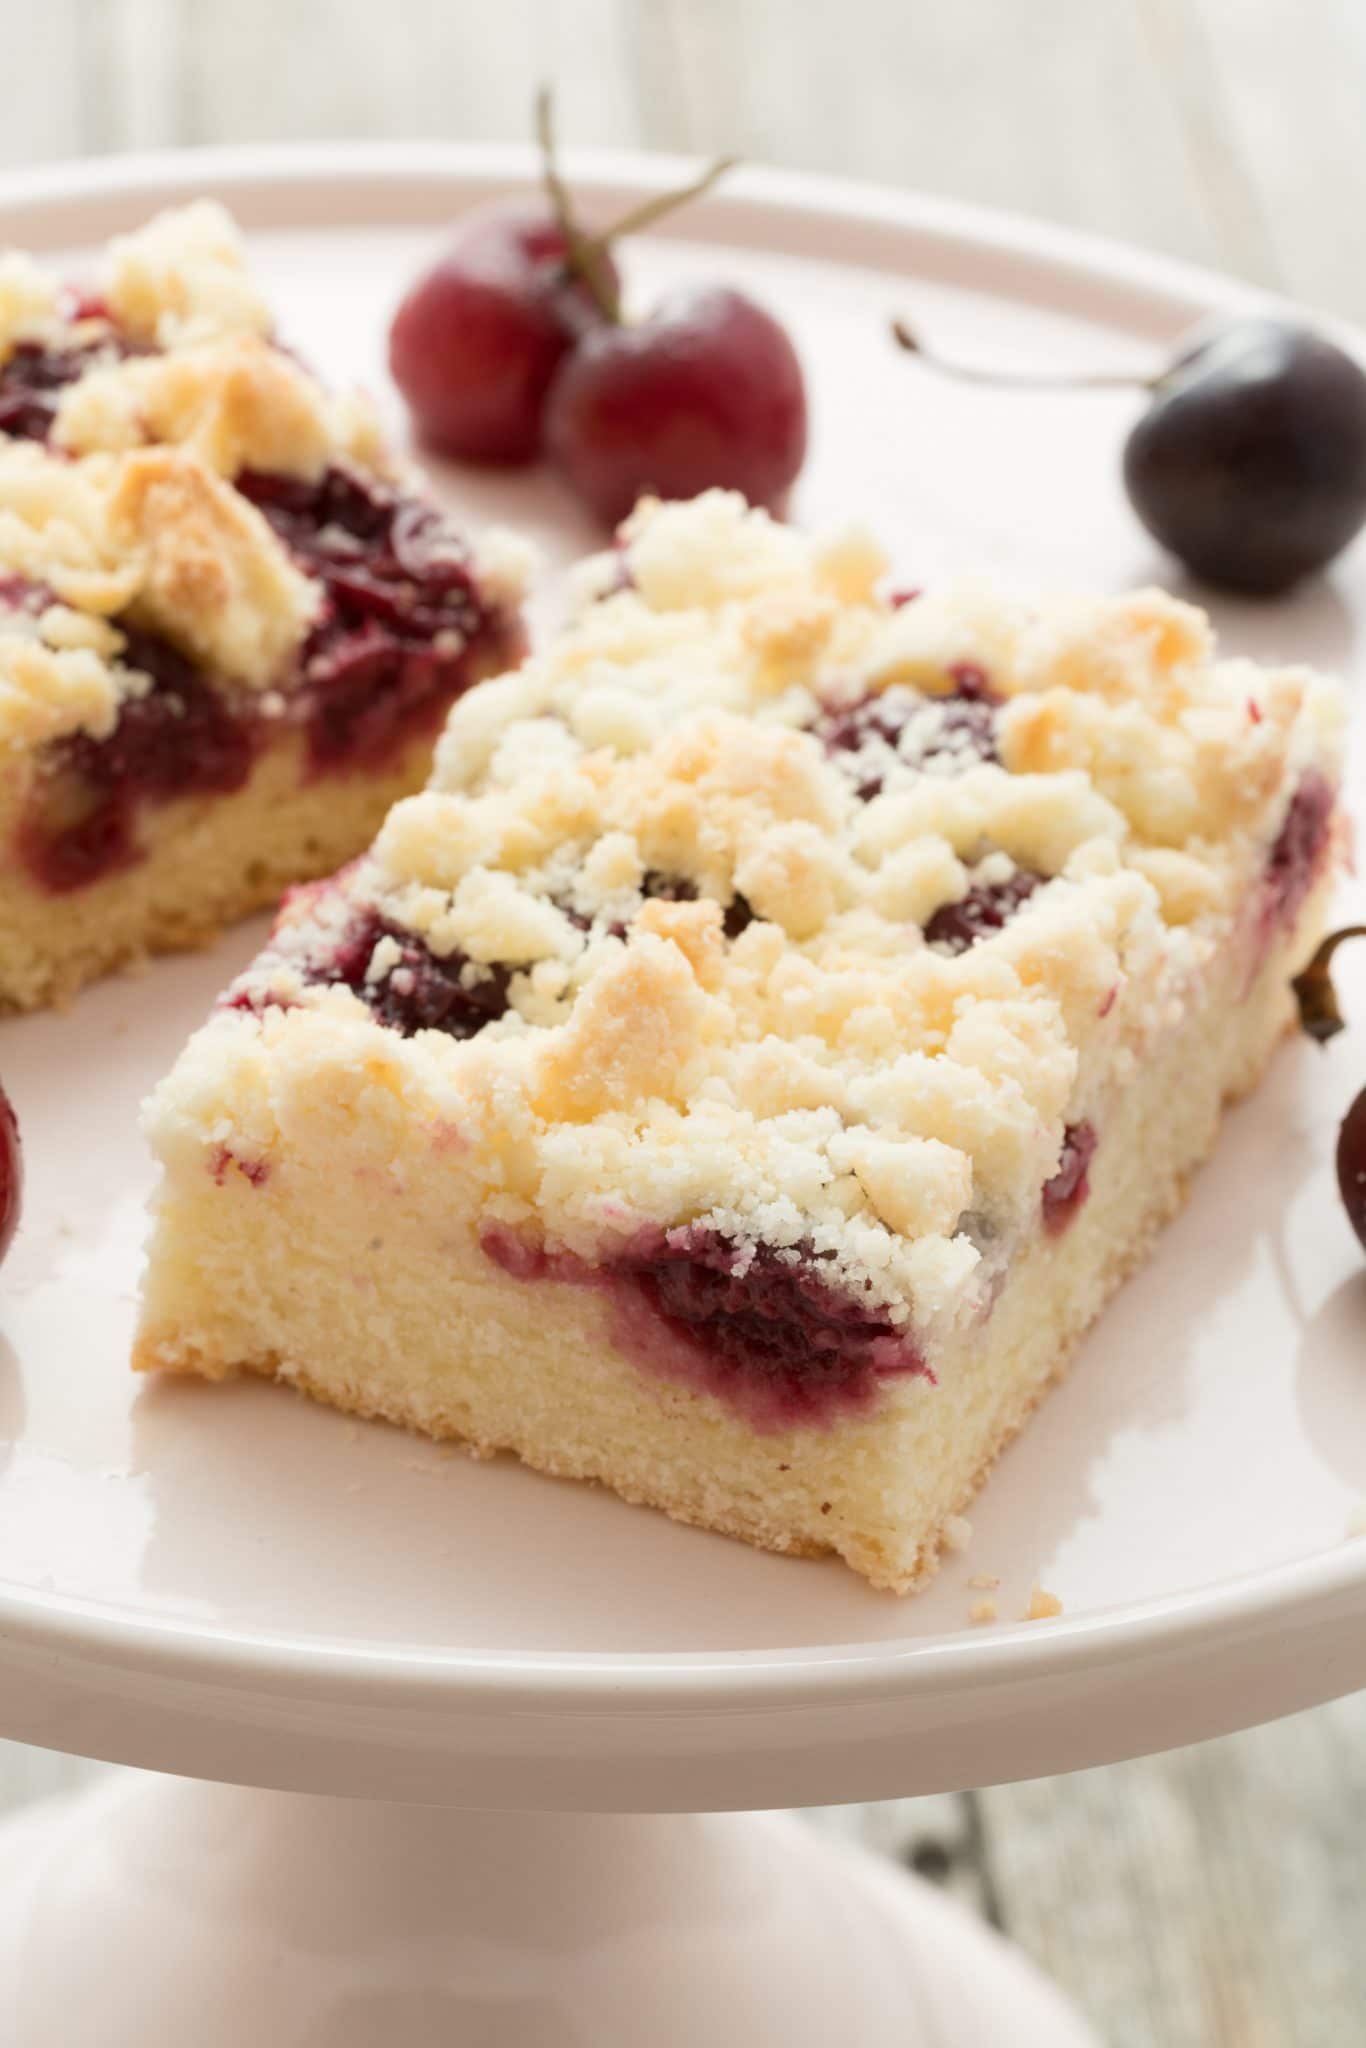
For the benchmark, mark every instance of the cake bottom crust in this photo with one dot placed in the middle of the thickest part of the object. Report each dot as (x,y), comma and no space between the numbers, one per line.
(744,1521)
(205,861)
(427,1333)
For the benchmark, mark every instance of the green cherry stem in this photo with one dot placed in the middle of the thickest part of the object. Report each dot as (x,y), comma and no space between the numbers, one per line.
(906,337)
(650,210)
(588,253)
(585,252)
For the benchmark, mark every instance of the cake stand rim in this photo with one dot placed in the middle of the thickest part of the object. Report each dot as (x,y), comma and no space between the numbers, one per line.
(1203,1624)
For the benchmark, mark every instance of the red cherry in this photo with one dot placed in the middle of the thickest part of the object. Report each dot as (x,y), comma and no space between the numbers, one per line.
(11,1173)
(707,391)
(474,345)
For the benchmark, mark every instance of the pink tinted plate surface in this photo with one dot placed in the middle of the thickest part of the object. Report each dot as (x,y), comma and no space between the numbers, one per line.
(233,1581)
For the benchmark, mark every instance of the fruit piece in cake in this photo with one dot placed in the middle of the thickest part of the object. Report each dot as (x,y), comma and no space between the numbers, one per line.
(752,1063)
(229,631)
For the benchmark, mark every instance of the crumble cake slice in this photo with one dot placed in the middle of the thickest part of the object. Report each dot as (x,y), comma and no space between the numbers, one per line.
(745,1071)
(229,630)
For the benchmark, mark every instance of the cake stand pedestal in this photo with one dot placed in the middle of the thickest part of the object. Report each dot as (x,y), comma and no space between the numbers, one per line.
(163,1910)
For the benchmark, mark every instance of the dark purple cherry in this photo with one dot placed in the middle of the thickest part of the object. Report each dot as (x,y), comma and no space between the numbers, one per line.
(988,907)
(424,991)
(1249,462)
(1352,1165)
(1321,1017)
(11,1173)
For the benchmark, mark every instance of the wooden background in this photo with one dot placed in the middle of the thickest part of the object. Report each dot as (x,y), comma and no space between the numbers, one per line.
(1208,1899)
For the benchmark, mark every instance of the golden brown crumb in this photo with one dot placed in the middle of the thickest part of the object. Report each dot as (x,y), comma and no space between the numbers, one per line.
(1043,1606)
(984,1582)
(983,1612)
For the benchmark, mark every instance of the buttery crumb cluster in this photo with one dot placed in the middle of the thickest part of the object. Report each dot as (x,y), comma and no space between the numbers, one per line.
(130,418)
(767,904)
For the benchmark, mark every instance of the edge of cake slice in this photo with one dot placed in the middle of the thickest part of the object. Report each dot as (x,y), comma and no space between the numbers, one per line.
(746,1071)
(229,628)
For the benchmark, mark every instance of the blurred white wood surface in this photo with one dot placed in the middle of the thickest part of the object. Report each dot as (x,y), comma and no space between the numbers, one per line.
(1224,130)
(1210,1899)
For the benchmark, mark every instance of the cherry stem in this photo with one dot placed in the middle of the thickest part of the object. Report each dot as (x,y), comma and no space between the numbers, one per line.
(585,253)
(1320,1014)
(650,210)
(1037,380)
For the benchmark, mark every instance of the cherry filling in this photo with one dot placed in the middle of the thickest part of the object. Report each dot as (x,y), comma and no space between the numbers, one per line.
(33,377)
(1298,854)
(426,991)
(396,641)
(389,650)
(737,915)
(387,654)
(1071,1184)
(958,729)
(181,738)
(768,1332)
(422,991)
(986,908)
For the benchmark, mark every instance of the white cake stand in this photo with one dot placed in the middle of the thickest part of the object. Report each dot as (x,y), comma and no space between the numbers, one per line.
(470,1693)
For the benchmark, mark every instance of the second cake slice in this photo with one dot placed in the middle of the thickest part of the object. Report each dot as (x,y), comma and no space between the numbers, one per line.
(229,630)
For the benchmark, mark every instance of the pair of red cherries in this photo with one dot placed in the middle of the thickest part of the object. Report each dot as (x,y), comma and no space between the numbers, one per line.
(513,345)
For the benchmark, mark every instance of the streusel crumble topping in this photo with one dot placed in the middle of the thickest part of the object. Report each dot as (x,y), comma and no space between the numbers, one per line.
(147,428)
(765,906)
